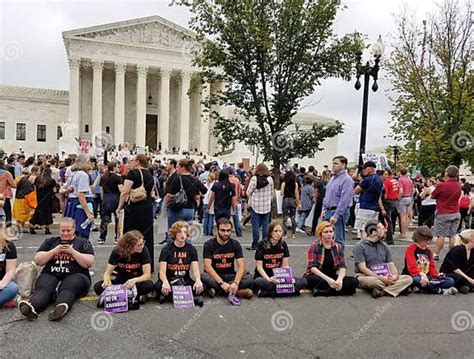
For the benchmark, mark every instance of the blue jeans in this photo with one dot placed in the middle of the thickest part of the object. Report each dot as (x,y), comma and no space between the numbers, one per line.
(448,282)
(259,220)
(184,214)
(238,229)
(8,293)
(302,219)
(208,222)
(340,226)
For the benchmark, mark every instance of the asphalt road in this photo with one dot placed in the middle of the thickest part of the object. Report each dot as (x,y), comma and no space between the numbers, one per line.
(415,326)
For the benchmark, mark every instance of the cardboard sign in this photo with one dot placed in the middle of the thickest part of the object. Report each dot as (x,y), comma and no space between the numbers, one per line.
(382,269)
(85,146)
(380,160)
(115,299)
(182,296)
(284,279)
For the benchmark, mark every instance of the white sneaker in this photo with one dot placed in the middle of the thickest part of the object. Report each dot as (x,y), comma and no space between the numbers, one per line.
(450,291)
(300,230)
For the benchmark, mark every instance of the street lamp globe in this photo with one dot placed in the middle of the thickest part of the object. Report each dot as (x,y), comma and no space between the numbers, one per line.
(378,47)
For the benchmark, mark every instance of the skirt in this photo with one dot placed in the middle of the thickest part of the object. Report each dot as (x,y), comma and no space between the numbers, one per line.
(21,212)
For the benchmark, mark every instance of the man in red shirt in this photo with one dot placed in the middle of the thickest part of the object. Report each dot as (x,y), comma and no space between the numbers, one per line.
(390,201)
(447,209)
(405,202)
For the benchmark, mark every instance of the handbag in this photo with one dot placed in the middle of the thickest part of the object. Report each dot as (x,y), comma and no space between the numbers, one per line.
(138,194)
(180,199)
(31,200)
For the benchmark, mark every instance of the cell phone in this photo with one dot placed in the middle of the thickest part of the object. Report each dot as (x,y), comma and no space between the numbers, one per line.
(64,242)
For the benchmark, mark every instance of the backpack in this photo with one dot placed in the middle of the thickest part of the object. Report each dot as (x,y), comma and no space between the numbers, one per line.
(465,201)
(25,277)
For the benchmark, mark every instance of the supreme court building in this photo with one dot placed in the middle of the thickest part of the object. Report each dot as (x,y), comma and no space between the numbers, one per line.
(132,81)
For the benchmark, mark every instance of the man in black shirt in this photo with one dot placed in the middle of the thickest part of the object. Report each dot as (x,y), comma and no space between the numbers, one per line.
(219,254)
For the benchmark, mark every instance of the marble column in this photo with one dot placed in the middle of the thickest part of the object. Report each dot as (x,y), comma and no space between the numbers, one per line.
(205,125)
(97,67)
(140,124)
(184,110)
(217,88)
(74,97)
(164,109)
(119,121)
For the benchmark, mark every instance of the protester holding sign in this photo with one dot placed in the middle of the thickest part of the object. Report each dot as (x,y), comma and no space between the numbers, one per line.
(326,272)
(130,263)
(177,259)
(219,255)
(65,276)
(271,253)
(419,264)
(374,265)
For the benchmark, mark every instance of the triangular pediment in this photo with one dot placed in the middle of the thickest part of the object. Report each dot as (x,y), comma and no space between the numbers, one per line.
(153,31)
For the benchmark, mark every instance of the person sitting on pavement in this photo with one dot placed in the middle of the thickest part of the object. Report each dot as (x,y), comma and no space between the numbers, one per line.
(374,264)
(271,253)
(65,276)
(326,271)
(129,263)
(8,262)
(176,260)
(219,255)
(459,263)
(419,264)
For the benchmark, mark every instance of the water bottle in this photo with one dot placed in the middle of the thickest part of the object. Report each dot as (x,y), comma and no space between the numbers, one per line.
(86,223)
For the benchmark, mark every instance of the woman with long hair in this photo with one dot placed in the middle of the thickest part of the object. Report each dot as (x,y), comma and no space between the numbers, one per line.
(428,204)
(291,201)
(45,190)
(8,262)
(271,253)
(111,185)
(129,264)
(138,210)
(222,196)
(326,271)
(209,210)
(21,211)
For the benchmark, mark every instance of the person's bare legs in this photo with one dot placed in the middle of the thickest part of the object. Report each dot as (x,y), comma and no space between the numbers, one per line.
(439,245)
(403,225)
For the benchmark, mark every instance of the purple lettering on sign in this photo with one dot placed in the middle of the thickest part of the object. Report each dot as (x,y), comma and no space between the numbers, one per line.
(382,269)
(182,296)
(115,298)
(284,279)
(234,300)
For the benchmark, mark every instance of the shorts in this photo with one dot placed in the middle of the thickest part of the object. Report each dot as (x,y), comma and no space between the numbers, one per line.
(404,205)
(446,225)
(363,216)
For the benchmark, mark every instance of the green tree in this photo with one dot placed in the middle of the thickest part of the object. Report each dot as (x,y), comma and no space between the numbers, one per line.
(271,54)
(432,77)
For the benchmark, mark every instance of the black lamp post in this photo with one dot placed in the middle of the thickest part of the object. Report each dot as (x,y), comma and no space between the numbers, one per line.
(396,151)
(367,71)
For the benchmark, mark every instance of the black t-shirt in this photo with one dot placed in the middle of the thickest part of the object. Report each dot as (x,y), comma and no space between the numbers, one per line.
(178,260)
(223,195)
(457,259)
(131,267)
(290,187)
(6,253)
(271,256)
(111,183)
(328,264)
(191,185)
(63,264)
(222,256)
(148,182)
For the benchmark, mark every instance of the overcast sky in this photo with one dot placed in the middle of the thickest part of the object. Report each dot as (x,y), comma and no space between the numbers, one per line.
(33,53)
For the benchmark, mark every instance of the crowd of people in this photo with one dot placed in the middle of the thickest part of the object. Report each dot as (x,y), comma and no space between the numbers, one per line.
(133,189)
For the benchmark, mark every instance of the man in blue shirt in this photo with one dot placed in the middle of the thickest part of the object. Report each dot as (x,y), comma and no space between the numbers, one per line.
(370,190)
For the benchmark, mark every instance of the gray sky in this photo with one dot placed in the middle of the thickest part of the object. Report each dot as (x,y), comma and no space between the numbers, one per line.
(33,53)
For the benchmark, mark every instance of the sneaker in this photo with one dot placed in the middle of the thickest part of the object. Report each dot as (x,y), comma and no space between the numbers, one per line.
(58,312)
(162,299)
(211,292)
(436,257)
(12,304)
(376,293)
(244,293)
(293,236)
(27,310)
(47,231)
(450,291)
(464,289)
(300,231)
(91,273)
(252,248)
(320,292)
(198,301)
(101,241)
(142,299)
